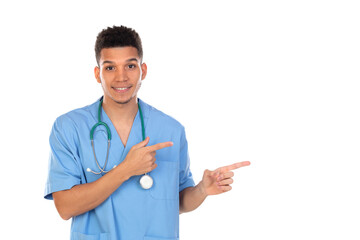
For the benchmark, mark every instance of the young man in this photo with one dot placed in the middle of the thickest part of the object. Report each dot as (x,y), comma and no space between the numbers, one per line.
(119,167)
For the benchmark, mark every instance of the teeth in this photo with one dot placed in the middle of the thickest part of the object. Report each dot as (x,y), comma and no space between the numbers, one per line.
(121,88)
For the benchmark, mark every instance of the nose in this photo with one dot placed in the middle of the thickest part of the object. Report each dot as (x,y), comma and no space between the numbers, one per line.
(121,75)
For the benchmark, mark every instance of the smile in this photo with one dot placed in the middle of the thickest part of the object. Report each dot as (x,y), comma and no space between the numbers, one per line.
(122,89)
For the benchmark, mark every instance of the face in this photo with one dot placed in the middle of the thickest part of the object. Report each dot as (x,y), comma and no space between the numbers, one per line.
(120,74)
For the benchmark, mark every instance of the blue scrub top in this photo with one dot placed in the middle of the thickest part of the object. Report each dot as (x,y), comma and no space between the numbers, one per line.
(130,213)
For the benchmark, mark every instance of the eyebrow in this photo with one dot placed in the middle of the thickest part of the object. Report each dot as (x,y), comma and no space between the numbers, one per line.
(132,59)
(111,62)
(104,62)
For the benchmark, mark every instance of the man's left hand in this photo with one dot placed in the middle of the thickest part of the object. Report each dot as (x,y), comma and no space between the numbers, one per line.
(219,180)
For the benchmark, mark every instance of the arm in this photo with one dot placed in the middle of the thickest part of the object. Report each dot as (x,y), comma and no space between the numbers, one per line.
(192,197)
(85,197)
(213,183)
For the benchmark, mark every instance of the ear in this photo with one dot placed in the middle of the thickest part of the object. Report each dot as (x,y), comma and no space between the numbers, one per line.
(97,74)
(143,70)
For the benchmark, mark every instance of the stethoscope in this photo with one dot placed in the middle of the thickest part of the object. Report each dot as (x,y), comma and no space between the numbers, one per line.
(146,181)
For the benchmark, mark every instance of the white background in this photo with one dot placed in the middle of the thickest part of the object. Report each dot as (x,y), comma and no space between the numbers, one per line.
(272,82)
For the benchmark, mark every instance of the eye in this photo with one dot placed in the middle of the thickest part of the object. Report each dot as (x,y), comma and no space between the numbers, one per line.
(131,66)
(109,68)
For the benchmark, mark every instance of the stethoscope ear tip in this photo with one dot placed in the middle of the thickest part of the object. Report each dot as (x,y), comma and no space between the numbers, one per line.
(88,170)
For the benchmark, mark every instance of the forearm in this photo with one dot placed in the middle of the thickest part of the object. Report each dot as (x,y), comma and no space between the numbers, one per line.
(85,197)
(192,198)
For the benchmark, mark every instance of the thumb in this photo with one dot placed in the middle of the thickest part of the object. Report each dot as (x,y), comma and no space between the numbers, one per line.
(215,173)
(210,173)
(142,144)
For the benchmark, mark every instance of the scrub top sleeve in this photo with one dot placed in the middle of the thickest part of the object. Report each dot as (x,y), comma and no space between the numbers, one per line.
(185,175)
(64,170)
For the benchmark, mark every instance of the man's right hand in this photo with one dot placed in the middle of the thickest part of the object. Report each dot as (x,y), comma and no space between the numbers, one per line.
(141,158)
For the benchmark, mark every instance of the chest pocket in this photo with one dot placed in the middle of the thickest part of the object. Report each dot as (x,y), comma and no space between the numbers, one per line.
(166,177)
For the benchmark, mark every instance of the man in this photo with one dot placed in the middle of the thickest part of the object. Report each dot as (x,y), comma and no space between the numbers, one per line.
(119,167)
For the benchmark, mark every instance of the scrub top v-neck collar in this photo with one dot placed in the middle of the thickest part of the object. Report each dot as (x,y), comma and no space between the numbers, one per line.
(135,135)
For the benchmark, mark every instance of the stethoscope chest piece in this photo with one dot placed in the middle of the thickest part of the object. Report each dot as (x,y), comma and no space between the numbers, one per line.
(146,181)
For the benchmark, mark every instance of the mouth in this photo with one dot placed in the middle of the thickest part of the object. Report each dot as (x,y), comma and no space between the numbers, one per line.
(122,89)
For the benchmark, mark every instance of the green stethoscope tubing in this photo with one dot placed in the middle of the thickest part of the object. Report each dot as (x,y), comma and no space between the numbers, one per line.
(99,123)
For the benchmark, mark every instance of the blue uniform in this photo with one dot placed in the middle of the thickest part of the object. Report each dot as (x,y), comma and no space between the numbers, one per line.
(130,213)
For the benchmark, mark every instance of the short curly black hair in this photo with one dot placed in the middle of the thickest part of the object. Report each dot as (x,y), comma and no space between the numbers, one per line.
(117,37)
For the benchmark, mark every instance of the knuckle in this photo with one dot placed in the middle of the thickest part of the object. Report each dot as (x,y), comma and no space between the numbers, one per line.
(150,168)
(149,158)
(153,167)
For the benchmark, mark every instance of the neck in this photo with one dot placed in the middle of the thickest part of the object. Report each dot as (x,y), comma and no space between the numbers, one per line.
(124,113)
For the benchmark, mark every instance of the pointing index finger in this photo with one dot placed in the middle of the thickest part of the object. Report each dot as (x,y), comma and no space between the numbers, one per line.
(235,166)
(159,146)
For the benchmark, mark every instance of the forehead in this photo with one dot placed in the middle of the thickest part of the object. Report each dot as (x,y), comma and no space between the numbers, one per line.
(118,54)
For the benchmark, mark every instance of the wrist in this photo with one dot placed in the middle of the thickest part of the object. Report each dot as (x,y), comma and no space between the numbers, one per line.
(202,188)
(123,171)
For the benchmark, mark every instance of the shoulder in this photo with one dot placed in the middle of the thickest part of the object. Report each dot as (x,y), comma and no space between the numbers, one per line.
(162,119)
(167,119)
(69,124)
(76,117)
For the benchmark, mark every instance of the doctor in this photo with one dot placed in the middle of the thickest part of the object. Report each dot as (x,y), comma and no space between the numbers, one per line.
(119,167)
